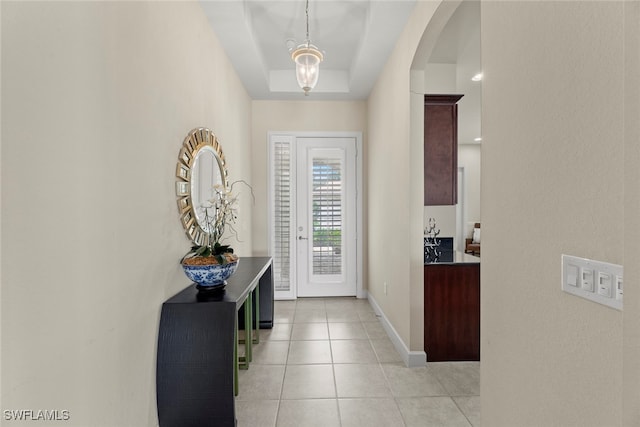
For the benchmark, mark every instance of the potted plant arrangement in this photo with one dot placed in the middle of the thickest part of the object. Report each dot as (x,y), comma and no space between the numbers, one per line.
(209,265)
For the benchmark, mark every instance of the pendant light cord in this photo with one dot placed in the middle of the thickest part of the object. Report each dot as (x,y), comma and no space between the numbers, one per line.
(307,14)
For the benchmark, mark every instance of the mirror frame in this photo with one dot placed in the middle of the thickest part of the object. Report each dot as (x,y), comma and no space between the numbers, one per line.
(192,144)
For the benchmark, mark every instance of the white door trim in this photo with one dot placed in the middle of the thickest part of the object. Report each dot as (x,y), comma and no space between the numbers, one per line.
(271,135)
(318,282)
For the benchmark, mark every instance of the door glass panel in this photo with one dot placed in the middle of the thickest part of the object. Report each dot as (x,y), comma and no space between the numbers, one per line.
(327,216)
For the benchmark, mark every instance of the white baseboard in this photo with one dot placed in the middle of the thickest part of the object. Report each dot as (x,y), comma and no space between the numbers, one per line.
(411,358)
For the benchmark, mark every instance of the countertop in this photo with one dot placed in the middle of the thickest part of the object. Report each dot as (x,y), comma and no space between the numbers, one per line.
(456,257)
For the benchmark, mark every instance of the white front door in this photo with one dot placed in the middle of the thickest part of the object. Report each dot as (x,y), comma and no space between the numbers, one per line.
(315,214)
(325,223)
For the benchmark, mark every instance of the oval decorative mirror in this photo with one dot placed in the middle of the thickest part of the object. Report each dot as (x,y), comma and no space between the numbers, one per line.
(201,166)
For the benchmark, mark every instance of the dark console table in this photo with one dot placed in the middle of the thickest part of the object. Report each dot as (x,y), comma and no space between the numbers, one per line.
(197,346)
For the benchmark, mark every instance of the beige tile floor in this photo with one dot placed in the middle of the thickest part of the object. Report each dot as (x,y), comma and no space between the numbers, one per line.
(329,362)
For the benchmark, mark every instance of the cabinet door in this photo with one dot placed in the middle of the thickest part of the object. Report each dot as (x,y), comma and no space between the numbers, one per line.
(452,312)
(441,149)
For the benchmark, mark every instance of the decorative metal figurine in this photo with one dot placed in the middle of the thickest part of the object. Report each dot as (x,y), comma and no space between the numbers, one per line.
(431,242)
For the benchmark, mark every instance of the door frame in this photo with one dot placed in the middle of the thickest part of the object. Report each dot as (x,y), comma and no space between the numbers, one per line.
(461,212)
(293,292)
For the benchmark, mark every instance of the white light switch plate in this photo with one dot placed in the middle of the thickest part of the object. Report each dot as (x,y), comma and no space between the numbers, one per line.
(597,281)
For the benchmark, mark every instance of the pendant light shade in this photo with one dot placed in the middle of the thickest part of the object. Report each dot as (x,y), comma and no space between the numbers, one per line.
(307,58)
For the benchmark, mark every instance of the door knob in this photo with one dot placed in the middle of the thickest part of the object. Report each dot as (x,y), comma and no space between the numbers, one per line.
(302,238)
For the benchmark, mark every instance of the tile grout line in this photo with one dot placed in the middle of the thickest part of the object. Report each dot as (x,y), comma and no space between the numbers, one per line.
(386,379)
(284,375)
(461,411)
(335,382)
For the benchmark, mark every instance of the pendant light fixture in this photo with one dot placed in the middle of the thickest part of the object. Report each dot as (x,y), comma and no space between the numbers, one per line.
(307,58)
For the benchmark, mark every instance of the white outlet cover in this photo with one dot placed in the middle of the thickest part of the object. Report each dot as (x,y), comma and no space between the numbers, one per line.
(597,281)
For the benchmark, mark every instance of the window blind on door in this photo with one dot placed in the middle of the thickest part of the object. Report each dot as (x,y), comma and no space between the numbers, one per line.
(281,243)
(327,216)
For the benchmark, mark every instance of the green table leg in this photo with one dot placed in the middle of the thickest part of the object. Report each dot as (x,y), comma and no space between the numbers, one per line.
(244,361)
(248,325)
(256,292)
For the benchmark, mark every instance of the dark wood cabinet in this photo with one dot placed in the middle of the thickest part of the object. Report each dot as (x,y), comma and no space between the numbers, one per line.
(441,149)
(452,312)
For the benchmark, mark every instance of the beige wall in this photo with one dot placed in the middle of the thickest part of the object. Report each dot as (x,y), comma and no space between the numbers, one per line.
(298,116)
(96,100)
(553,183)
(91,89)
(396,205)
(631,316)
